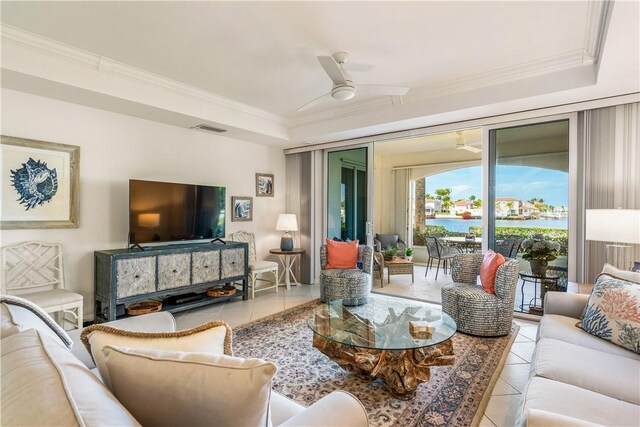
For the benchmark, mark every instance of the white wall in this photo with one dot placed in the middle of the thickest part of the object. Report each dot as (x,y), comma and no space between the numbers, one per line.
(115,148)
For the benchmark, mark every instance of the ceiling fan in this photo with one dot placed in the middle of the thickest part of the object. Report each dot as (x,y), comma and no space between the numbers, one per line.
(343,87)
(461,144)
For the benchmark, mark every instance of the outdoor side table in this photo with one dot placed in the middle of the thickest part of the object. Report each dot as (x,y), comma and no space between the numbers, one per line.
(287,258)
(548,282)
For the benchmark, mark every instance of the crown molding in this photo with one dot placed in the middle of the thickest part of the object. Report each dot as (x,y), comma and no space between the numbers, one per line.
(598,15)
(48,47)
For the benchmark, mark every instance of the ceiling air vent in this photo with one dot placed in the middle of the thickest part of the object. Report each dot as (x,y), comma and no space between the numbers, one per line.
(209,128)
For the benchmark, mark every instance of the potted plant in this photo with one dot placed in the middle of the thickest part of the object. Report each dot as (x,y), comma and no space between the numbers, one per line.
(409,254)
(539,252)
(390,253)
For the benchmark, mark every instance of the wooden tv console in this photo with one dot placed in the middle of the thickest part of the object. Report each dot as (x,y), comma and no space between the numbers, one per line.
(126,276)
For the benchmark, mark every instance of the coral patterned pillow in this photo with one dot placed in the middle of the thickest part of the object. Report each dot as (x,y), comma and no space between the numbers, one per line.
(613,312)
(342,255)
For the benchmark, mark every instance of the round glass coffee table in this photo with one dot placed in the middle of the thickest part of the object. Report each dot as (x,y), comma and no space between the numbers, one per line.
(395,339)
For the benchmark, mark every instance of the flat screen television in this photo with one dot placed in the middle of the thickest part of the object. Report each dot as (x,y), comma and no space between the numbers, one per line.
(170,212)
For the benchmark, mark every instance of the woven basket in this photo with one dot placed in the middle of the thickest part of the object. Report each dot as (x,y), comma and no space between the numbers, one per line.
(144,307)
(224,291)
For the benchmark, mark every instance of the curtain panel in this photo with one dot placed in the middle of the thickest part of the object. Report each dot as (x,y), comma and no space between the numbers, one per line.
(299,202)
(610,152)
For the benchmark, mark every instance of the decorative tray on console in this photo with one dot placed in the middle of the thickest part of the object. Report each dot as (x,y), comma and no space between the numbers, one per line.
(223,291)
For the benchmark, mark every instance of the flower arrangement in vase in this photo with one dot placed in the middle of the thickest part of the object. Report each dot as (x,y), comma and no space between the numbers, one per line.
(539,252)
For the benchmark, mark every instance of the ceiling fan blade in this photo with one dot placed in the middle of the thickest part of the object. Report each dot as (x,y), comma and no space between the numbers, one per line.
(315,102)
(474,150)
(382,90)
(358,67)
(332,68)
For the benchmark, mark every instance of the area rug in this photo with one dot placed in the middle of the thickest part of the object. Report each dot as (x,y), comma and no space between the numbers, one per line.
(455,396)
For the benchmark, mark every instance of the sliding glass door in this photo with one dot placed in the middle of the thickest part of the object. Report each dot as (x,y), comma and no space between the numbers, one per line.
(528,194)
(348,195)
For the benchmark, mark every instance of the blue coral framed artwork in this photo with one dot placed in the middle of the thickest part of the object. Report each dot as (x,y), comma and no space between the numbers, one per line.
(40,184)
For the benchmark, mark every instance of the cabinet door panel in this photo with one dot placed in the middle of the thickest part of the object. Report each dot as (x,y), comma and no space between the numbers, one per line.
(174,271)
(206,266)
(232,263)
(136,276)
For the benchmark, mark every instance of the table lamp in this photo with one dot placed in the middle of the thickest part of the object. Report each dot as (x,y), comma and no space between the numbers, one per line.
(287,223)
(620,228)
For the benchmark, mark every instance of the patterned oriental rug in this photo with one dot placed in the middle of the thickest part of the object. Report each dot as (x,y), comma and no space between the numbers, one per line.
(452,397)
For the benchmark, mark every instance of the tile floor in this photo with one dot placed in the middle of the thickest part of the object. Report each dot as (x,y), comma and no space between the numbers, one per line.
(502,407)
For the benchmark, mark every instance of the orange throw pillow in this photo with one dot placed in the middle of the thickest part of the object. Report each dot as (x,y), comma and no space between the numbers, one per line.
(342,255)
(488,270)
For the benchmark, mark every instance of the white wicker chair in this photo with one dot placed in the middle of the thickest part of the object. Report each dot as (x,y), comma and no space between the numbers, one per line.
(257,266)
(34,271)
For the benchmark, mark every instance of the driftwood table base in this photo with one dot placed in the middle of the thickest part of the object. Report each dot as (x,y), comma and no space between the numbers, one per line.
(400,370)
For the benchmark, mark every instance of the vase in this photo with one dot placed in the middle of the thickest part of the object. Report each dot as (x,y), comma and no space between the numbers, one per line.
(539,267)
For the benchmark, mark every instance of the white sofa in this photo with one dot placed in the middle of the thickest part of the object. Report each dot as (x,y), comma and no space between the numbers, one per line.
(577,378)
(45,384)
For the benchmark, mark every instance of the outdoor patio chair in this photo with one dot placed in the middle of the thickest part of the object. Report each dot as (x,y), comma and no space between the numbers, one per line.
(383,241)
(516,245)
(378,267)
(438,251)
(505,247)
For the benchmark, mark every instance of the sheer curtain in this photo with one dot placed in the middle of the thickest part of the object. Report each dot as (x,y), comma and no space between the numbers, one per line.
(401,184)
(610,152)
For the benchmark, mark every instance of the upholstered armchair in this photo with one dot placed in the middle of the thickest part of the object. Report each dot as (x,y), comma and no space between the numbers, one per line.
(476,311)
(383,241)
(353,286)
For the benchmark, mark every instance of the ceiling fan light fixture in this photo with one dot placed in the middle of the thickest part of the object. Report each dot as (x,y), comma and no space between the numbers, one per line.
(343,93)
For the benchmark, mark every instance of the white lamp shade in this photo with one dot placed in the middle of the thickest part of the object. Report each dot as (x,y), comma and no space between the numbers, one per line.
(287,222)
(613,225)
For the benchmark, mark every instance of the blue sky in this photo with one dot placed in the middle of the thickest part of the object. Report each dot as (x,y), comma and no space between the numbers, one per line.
(521,182)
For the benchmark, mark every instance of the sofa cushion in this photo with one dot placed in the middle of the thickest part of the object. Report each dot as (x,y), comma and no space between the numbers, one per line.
(631,276)
(19,314)
(283,408)
(613,312)
(542,418)
(576,402)
(213,338)
(43,384)
(342,274)
(564,328)
(594,370)
(174,388)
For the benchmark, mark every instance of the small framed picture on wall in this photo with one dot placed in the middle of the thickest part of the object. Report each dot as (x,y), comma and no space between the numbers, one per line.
(242,208)
(264,185)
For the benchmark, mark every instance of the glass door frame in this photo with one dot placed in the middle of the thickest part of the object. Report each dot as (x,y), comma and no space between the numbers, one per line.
(370,189)
(488,181)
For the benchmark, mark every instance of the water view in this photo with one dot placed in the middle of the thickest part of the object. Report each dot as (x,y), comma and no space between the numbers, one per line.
(462,225)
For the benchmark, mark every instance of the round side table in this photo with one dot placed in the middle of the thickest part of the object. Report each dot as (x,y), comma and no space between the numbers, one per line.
(287,259)
(549,282)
